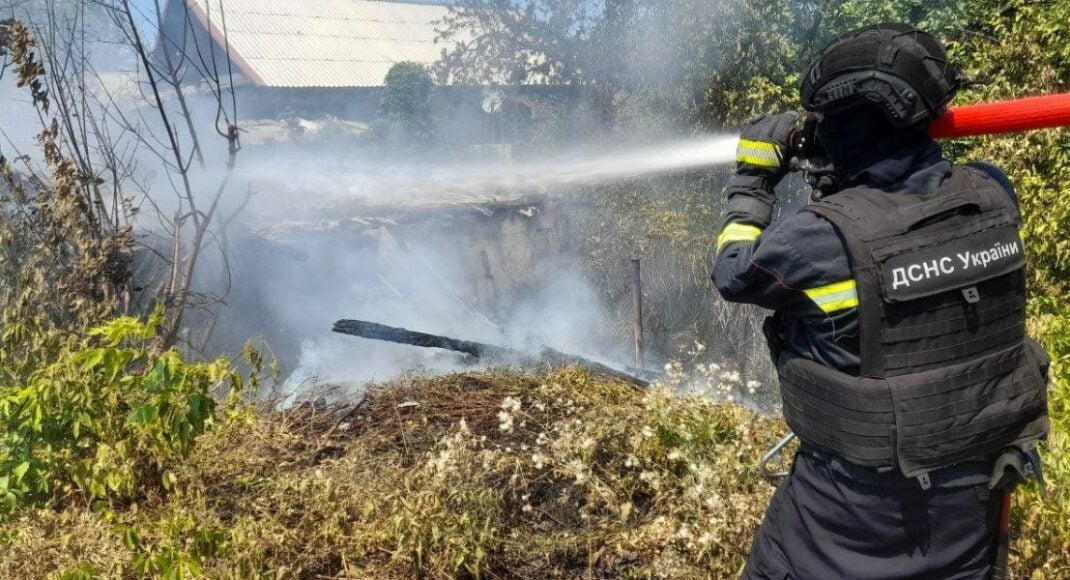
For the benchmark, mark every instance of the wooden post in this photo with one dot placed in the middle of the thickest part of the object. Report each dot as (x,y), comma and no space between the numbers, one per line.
(637,310)
(176,260)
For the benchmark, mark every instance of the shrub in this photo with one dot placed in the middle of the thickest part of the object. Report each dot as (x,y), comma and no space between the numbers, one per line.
(106,418)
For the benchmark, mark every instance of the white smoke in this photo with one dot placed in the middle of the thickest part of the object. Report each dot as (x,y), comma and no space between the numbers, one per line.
(423,277)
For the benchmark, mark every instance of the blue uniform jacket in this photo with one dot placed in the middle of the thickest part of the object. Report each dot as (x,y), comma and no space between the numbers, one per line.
(830,518)
(799,266)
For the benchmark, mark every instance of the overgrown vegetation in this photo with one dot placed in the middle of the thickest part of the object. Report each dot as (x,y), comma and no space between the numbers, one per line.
(94,409)
(64,261)
(106,419)
(478,475)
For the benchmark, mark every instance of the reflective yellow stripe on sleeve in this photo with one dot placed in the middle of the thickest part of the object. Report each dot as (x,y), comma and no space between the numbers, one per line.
(835,297)
(759,153)
(737,233)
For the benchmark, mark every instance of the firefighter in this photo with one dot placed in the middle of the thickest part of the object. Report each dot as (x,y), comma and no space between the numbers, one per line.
(898,329)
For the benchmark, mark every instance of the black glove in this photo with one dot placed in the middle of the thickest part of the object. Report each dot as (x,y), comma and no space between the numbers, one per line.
(764,150)
(762,161)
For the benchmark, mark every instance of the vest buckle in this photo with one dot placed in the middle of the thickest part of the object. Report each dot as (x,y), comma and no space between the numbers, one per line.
(926,483)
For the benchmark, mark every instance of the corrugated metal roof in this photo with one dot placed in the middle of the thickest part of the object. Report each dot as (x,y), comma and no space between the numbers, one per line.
(322,43)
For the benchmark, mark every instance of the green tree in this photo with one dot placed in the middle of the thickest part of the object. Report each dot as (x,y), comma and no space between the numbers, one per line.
(405,104)
(754,64)
(716,62)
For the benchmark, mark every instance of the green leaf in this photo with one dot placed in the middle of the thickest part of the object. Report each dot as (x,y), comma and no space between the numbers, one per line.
(91,358)
(158,379)
(143,415)
(20,471)
(131,539)
(114,481)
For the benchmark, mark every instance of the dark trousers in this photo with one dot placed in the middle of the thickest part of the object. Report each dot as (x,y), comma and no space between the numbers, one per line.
(824,524)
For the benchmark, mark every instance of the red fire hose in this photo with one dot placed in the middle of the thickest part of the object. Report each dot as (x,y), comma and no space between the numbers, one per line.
(1004,117)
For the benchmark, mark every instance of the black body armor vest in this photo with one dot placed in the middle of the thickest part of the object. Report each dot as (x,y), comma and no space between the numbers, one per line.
(947,372)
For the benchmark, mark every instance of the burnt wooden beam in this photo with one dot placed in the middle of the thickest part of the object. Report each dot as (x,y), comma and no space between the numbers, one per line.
(478,350)
(386,333)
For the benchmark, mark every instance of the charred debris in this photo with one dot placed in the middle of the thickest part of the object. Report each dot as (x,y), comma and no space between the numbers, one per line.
(544,356)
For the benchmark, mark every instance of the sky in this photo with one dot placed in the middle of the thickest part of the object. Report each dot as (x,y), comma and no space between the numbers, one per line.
(146,6)
(146,11)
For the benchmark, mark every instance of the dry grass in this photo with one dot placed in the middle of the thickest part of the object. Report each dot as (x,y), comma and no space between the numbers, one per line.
(473,475)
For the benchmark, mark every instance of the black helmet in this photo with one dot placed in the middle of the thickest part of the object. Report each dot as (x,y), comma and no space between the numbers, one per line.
(901,69)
